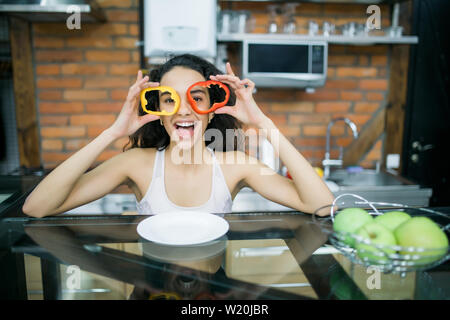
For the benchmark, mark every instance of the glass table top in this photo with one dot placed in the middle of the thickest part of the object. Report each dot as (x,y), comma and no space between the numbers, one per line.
(262,256)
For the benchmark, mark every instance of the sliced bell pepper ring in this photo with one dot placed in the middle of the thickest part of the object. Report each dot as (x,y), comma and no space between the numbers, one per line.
(207,84)
(173,94)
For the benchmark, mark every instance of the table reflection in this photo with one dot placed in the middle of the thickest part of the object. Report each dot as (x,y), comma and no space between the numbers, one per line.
(259,258)
(262,256)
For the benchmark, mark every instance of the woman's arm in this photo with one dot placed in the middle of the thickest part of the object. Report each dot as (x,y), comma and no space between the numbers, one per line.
(53,191)
(68,186)
(306,192)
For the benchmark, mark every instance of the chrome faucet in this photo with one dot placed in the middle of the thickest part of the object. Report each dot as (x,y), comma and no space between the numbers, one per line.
(327,162)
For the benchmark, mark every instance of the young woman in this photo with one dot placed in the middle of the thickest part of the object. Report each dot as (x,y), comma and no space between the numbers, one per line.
(162,165)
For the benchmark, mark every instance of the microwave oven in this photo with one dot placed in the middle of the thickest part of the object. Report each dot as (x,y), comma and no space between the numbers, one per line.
(284,63)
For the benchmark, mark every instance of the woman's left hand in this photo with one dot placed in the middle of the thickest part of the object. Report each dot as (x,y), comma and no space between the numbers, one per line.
(245,109)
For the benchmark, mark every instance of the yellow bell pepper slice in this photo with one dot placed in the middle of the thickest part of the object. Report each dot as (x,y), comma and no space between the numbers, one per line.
(173,94)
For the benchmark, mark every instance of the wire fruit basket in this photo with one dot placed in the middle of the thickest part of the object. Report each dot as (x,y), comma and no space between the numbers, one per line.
(387,258)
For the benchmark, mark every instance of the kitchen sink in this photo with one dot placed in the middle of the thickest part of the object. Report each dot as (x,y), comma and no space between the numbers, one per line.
(368,178)
(378,186)
(372,185)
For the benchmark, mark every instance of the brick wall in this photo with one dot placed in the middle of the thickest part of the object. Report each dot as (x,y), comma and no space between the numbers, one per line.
(82,77)
(356,86)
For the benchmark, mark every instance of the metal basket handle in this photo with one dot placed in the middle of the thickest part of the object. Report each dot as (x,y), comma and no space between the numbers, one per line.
(355,196)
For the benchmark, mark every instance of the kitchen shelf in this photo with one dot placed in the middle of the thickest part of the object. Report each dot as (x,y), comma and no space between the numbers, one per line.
(335,39)
(41,11)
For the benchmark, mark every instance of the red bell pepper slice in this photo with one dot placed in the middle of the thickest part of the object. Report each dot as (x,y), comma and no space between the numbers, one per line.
(207,84)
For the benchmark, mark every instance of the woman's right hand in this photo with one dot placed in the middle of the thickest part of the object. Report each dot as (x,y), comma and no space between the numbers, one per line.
(129,121)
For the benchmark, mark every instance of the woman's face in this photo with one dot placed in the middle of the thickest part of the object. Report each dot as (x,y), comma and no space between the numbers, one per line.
(186,127)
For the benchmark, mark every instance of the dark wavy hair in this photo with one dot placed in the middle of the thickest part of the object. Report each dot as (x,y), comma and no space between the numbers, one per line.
(154,135)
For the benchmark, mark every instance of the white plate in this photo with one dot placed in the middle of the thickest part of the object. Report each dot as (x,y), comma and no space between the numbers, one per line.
(182,228)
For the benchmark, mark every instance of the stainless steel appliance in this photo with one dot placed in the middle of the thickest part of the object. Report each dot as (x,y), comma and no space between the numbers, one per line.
(284,63)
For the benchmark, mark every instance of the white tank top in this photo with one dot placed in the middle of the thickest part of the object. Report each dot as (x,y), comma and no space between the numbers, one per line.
(156,200)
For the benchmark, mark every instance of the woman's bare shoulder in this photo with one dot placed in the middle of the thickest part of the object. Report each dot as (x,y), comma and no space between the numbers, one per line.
(235,163)
(234,157)
(138,155)
(133,159)
(139,165)
(138,152)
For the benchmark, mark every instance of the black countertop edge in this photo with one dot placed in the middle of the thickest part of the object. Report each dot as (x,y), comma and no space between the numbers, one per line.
(22,217)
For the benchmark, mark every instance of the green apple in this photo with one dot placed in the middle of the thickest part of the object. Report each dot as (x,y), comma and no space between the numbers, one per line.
(349,220)
(422,232)
(377,234)
(392,219)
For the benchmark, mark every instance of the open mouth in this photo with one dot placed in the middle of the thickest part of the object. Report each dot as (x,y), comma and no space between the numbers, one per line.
(185,129)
